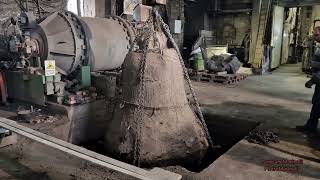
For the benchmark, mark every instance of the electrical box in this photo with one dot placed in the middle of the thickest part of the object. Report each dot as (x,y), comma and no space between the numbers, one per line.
(85,76)
(177,26)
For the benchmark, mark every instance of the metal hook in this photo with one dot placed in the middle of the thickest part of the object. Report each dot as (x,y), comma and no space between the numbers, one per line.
(122,105)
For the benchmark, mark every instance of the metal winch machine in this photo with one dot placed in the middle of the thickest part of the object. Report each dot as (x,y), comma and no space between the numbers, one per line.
(52,61)
(66,62)
(52,58)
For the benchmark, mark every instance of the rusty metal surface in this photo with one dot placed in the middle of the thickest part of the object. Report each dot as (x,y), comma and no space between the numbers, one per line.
(109,42)
(72,41)
(61,38)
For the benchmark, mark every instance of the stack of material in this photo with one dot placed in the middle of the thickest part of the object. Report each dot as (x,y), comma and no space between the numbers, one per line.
(223,62)
(83,96)
(153,122)
(262,137)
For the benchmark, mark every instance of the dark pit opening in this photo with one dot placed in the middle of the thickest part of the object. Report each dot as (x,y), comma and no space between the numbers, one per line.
(225,132)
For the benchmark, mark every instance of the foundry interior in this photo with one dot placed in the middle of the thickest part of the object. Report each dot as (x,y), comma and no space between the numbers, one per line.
(159,89)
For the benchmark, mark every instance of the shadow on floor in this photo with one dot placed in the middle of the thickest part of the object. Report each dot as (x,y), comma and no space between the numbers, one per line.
(291,96)
(224,135)
(276,118)
(304,169)
(271,115)
(229,119)
(19,171)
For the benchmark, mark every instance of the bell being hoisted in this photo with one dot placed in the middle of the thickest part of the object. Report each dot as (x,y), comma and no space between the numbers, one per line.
(153,122)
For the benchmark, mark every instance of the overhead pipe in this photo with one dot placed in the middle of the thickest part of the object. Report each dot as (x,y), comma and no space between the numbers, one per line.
(218,10)
(235,11)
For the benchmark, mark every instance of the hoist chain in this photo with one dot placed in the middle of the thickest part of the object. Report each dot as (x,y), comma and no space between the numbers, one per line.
(147,31)
(186,75)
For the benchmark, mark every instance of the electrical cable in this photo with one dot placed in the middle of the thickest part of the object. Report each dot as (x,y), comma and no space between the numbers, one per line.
(20,5)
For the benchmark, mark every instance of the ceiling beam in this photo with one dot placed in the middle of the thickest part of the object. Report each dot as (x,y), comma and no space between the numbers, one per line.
(297,3)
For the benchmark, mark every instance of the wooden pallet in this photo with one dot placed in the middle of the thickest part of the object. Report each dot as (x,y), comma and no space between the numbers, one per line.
(221,78)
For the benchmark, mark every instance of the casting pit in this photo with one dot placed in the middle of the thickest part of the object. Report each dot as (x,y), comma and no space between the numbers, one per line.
(225,131)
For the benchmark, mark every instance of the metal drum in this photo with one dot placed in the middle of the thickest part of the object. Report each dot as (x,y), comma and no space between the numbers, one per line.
(73,41)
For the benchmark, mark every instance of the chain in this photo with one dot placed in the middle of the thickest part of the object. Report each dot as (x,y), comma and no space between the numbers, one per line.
(138,113)
(262,137)
(139,34)
(185,72)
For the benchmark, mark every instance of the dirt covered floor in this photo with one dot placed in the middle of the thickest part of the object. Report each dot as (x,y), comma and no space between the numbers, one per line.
(29,160)
(276,102)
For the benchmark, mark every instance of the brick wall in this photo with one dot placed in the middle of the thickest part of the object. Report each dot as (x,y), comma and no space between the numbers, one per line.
(240,22)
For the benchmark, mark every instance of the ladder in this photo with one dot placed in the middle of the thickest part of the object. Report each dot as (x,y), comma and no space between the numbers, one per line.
(263,21)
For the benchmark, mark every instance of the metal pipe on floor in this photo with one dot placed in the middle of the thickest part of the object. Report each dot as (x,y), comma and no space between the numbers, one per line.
(118,166)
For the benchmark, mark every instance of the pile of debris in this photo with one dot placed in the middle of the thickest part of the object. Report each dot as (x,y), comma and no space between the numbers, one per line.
(223,63)
(83,97)
(221,68)
(36,116)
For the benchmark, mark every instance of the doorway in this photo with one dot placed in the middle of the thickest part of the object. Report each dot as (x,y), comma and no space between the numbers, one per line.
(291,39)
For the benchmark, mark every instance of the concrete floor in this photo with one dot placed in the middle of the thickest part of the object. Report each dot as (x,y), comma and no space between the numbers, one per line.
(278,102)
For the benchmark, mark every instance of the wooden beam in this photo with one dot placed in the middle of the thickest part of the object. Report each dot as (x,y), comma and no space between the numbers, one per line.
(124,168)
